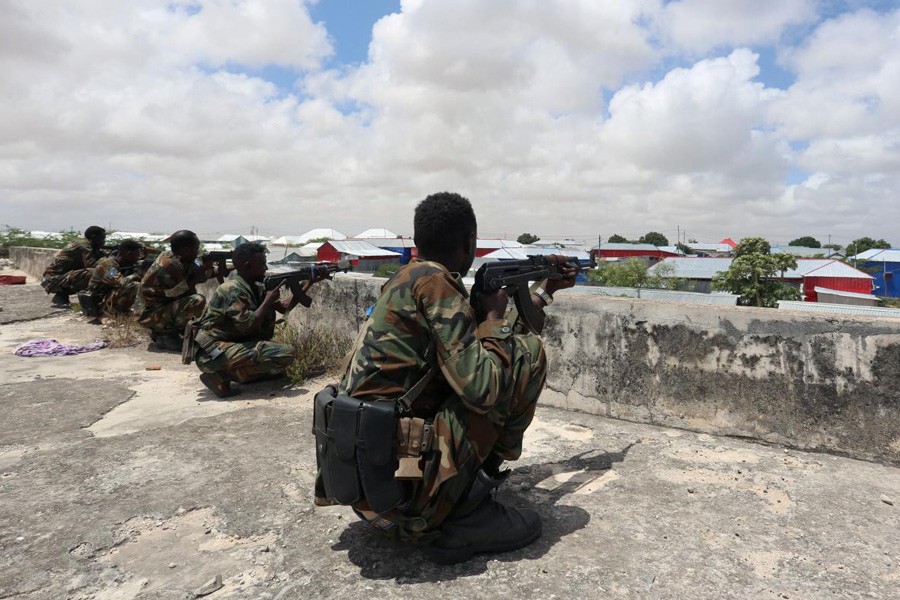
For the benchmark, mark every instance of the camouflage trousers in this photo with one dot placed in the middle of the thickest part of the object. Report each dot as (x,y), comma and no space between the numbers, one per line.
(68,283)
(121,300)
(172,317)
(463,440)
(247,361)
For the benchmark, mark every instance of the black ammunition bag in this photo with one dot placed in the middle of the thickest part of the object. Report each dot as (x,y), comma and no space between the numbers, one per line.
(356,449)
(91,303)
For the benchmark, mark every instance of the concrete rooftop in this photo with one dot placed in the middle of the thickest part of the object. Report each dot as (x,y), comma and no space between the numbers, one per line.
(121,482)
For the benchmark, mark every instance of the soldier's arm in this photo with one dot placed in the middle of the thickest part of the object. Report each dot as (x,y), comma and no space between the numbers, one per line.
(476,359)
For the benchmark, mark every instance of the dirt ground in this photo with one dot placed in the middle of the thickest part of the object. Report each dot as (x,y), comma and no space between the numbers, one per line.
(119,482)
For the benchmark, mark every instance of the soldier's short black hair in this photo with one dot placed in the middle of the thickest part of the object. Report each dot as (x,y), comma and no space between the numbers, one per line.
(442,222)
(129,246)
(244,252)
(183,238)
(94,231)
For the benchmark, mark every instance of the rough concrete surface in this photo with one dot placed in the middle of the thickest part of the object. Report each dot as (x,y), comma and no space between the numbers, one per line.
(118,482)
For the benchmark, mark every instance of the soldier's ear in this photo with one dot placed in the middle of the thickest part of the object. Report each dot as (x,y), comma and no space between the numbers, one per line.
(471,242)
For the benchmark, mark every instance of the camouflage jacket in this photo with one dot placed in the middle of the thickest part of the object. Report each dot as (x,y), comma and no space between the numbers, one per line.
(77,255)
(231,311)
(167,280)
(107,275)
(424,310)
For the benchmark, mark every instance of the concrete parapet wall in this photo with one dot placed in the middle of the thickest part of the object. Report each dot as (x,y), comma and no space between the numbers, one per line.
(804,380)
(32,261)
(807,381)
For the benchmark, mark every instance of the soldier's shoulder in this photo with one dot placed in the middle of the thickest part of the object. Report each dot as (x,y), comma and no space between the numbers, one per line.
(419,271)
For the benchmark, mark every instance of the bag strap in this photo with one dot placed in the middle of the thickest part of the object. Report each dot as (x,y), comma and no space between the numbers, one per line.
(416,390)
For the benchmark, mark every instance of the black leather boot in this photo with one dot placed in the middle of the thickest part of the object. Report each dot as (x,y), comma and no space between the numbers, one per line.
(60,300)
(480,524)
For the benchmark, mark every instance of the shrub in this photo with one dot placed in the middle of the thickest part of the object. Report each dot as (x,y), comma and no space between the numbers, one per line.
(318,351)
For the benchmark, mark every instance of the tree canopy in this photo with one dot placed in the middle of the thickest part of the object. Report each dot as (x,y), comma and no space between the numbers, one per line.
(527,238)
(617,239)
(864,243)
(754,274)
(807,241)
(655,238)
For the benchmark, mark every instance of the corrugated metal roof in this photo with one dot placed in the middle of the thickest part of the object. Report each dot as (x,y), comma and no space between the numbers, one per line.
(376,233)
(321,232)
(695,267)
(841,309)
(721,248)
(879,255)
(842,293)
(523,253)
(641,247)
(829,268)
(361,249)
(490,243)
(393,242)
(804,252)
(706,267)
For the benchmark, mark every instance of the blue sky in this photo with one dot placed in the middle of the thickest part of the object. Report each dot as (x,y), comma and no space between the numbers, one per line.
(350,25)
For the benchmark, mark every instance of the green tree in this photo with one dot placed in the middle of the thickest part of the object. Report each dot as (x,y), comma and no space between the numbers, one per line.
(527,238)
(807,241)
(319,240)
(754,274)
(655,238)
(12,236)
(617,239)
(684,248)
(864,243)
(387,269)
(635,273)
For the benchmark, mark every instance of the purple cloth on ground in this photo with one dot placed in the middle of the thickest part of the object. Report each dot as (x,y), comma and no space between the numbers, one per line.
(54,348)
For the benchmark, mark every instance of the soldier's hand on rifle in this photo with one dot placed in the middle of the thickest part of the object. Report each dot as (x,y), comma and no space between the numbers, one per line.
(568,271)
(272,296)
(492,306)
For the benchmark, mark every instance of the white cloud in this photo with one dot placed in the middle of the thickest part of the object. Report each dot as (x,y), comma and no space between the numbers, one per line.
(701,25)
(142,113)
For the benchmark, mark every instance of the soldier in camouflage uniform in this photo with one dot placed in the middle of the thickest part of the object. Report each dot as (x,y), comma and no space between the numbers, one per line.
(70,271)
(482,399)
(234,336)
(115,279)
(169,290)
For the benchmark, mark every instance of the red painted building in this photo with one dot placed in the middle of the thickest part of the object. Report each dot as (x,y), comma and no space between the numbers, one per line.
(363,256)
(833,275)
(608,251)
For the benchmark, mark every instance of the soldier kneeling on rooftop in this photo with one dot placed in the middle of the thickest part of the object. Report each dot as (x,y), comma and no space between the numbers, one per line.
(464,385)
(169,290)
(114,283)
(234,335)
(70,271)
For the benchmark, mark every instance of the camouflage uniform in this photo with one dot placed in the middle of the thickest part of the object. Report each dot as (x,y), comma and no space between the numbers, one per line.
(481,401)
(245,353)
(117,290)
(70,271)
(170,301)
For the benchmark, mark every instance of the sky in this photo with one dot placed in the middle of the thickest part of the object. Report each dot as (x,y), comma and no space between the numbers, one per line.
(562,118)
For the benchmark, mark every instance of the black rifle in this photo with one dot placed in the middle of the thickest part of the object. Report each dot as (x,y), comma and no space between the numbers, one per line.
(138,267)
(293,278)
(218,255)
(514,276)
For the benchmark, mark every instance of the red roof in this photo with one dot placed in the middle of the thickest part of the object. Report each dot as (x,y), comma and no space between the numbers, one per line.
(730,242)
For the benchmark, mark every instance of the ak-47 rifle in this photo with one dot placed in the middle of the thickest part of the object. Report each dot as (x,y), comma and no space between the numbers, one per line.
(139,267)
(293,278)
(515,276)
(218,255)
